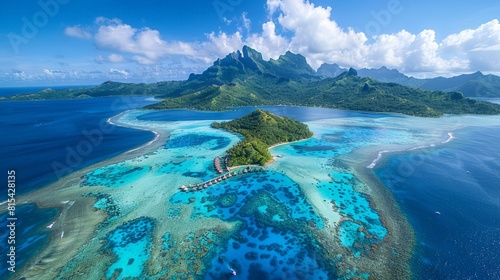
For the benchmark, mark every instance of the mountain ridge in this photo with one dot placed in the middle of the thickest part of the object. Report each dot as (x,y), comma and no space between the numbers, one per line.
(471,85)
(243,78)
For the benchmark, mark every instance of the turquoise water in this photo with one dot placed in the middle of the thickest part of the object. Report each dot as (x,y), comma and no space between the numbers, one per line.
(275,216)
(273,213)
(225,199)
(270,205)
(266,253)
(354,205)
(193,140)
(115,175)
(131,245)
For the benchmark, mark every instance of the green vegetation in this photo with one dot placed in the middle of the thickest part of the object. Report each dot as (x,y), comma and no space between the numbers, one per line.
(245,79)
(346,91)
(261,129)
(252,151)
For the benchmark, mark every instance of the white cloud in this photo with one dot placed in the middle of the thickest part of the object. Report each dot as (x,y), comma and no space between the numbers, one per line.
(219,46)
(112,58)
(146,44)
(226,20)
(114,71)
(116,58)
(246,21)
(320,39)
(302,27)
(270,44)
(479,46)
(78,32)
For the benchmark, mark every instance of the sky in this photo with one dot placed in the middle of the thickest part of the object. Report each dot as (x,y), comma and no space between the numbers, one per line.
(74,42)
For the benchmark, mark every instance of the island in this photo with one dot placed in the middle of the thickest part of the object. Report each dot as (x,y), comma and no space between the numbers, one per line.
(261,129)
(244,78)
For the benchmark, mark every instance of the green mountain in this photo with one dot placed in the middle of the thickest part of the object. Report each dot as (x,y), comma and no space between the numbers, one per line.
(239,65)
(245,79)
(471,85)
(261,129)
(346,91)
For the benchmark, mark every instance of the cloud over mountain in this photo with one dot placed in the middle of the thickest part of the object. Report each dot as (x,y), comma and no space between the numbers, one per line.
(299,26)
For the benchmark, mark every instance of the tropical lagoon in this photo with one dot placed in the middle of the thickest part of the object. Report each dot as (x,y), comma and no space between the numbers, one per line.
(351,202)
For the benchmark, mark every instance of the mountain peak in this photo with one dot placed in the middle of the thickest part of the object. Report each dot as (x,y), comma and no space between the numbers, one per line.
(352,72)
(330,70)
(251,53)
(249,62)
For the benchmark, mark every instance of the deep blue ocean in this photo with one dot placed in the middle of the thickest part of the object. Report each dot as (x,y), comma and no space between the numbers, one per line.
(460,180)
(44,140)
(451,195)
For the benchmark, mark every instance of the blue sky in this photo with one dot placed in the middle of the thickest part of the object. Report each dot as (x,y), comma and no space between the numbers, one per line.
(63,42)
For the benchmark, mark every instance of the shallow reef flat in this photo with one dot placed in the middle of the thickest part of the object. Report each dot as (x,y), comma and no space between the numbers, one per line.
(316,212)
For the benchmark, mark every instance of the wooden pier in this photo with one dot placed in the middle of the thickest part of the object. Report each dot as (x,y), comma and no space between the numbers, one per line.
(223,177)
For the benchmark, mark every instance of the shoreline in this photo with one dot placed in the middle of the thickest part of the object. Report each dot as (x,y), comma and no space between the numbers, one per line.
(160,137)
(72,224)
(115,121)
(286,143)
(382,199)
(401,234)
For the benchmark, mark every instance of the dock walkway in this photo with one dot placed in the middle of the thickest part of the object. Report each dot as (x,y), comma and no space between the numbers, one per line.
(225,176)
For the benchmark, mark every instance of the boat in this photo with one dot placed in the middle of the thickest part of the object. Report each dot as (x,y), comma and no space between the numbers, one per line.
(438,213)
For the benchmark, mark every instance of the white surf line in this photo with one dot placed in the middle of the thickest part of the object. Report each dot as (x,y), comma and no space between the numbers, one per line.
(379,157)
(380,154)
(157,135)
(450,137)
(116,117)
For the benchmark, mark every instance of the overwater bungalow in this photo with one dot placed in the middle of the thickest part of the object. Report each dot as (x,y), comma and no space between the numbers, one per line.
(217,164)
